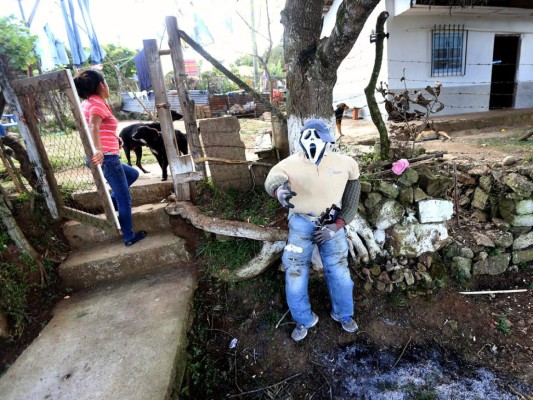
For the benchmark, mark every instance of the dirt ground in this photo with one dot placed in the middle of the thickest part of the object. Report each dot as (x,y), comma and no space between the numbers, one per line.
(493,332)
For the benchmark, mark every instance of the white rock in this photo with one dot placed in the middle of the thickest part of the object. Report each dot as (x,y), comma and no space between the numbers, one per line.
(434,210)
(414,240)
(510,160)
(524,207)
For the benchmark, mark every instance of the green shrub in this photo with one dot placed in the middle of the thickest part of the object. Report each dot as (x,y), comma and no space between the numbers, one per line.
(14,288)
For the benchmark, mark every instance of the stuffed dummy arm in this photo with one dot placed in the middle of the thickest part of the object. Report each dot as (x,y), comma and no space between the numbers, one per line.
(277,185)
(350,201)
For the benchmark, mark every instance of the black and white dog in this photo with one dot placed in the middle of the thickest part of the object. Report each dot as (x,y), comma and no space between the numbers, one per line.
(153,139)
(128,143)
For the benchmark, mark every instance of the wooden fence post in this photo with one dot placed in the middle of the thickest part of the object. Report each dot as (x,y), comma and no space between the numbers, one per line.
(186,104)
(178,165)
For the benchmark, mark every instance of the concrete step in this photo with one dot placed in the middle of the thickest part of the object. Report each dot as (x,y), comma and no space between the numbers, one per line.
(149,217)
(147,190)
(123,341)
(112,261)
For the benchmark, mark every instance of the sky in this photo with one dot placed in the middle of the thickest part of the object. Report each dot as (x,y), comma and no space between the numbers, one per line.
(128,22)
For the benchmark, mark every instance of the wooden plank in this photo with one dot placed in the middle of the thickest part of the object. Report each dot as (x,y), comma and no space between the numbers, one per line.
(190,177)
(89,149)
(176,53)
(157,78)
(31,122)
(42,83)
(97,221)
(31,146)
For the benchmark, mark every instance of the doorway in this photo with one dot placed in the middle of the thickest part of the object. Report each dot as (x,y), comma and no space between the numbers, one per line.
(503,84)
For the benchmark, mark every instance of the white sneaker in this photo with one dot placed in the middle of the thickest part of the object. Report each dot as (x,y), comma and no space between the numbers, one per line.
(300,332)
(348,324)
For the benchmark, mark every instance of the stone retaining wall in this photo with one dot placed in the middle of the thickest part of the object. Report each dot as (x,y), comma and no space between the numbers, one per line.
(413,221)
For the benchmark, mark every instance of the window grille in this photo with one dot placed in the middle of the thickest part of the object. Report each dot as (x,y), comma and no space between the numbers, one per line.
(448,50)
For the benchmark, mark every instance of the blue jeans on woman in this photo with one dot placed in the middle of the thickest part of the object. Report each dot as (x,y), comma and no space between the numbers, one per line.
(297,261)
(120,177)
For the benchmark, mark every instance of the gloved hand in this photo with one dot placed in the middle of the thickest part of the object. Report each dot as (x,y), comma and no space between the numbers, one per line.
(326,232)
(284,194)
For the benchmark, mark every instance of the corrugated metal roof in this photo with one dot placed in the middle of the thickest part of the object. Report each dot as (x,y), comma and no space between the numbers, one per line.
(200,97)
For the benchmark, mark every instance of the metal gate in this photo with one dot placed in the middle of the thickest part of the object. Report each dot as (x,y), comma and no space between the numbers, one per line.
(56,134)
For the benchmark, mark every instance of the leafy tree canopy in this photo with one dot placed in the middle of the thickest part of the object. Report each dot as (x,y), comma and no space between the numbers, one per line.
(247,60)
(118,65)
(17,43)
(276,62)
(122,58)
(216,82)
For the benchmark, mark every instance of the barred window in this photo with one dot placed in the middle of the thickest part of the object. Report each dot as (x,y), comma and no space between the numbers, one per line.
(448,50)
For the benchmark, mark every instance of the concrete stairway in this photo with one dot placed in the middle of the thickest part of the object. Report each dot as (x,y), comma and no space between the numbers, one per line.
(122,333)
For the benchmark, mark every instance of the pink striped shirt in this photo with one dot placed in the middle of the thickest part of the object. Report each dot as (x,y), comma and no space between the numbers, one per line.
(95,105)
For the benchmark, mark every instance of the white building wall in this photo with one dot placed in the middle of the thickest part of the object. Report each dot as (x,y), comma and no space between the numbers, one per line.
(409,48)
(524,75)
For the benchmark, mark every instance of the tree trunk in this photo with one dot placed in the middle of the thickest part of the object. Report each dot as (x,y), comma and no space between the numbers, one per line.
(312,61)
(370,90)
(26,167)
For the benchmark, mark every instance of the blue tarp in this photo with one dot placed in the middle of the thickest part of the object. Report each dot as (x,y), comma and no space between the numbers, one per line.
(142,70)
(79,55)
(57,48)
(97,53)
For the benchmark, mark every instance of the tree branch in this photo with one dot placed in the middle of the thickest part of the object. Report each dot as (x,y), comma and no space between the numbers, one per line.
(350,20)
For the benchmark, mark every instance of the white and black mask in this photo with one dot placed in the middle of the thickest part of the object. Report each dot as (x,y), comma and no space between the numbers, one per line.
(313,146)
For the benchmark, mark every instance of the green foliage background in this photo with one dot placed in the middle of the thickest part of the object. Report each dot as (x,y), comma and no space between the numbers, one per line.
(17,43)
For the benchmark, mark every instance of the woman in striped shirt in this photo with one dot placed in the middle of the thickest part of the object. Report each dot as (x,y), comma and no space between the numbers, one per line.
(93,88)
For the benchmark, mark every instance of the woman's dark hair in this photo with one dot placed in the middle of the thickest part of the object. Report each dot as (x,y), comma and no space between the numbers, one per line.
(87,82)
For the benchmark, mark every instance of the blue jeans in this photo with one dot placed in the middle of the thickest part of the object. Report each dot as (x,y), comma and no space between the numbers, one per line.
(297,261)
(120,177)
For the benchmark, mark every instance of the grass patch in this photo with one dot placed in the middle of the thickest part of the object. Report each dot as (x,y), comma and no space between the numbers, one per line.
(254,206)
(459,276)
(261,287)
(202,371)
(227,254)
(18,283)
(493,251)
(503,327)
(15,288)
(253,128)
(60,163)
(224,312)
(4,239)
(148,157)
(508,142)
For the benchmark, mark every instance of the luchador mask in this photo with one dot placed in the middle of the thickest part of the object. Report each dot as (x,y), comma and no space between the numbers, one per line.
(314,138)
